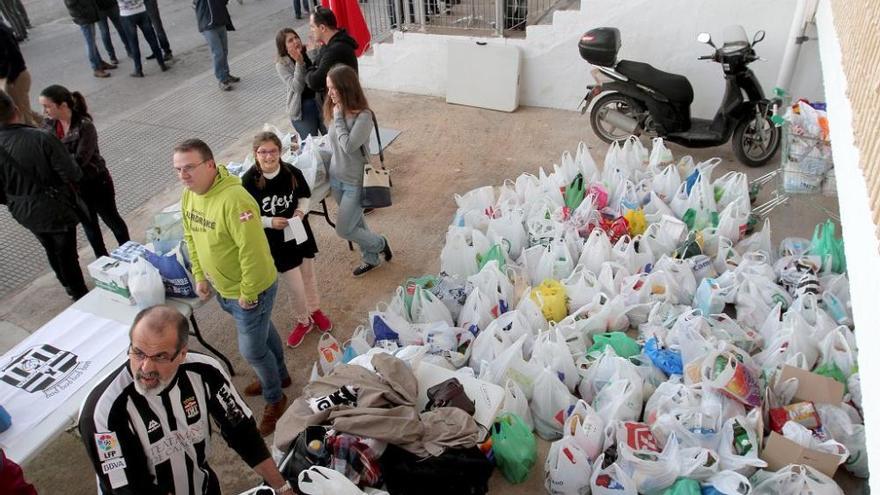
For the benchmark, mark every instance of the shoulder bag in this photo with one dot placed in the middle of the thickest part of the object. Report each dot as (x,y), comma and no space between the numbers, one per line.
(376,188)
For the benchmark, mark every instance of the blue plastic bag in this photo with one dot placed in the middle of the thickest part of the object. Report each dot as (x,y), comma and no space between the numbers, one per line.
(383,331)
(175,278)
(667,360)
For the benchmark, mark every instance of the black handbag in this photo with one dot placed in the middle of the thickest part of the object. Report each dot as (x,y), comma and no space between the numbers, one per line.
(302,455)
(449,393)
(376,188)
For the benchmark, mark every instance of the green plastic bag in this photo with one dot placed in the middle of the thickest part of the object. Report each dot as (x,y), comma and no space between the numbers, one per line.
(623,345)
(409,288)
(829,248)
(513,444)
(684,486)
(497,253)
(575,192)
(832,371)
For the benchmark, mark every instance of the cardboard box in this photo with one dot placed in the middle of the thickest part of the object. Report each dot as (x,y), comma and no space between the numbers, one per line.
(780,452)
(814,388)
(111,275)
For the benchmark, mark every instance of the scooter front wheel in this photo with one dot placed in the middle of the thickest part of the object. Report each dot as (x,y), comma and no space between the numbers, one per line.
(614,117)
(756,140)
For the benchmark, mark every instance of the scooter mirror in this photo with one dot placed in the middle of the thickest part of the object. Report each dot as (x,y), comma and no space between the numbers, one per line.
(759,37)
(705,38)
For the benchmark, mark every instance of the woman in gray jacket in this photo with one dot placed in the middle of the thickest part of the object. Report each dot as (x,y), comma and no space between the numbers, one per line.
(302,106)
(350,123)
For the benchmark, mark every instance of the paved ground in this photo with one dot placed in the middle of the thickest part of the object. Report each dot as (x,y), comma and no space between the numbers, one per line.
(139,120)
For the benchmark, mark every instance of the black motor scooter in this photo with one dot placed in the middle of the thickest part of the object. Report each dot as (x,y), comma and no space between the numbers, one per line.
(634,98)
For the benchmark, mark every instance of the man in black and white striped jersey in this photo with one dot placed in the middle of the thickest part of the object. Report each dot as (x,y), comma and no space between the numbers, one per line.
(145,426)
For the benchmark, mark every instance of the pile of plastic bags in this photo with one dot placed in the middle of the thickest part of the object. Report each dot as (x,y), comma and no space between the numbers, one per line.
(632,321)
(807,164)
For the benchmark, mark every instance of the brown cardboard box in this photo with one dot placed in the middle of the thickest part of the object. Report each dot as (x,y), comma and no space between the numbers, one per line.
(814,388)
(780,452)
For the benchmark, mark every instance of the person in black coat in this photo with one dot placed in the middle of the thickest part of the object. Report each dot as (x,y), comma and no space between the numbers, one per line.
(86,14)
(337,48)
(282,193)
(37,176)
(15,79)
(67,117)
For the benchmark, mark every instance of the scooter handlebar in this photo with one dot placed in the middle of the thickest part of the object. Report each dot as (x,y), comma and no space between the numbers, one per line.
(706,57)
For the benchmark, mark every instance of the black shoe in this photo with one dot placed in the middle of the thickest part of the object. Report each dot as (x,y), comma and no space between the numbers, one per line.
(361,270)
(168,56)
(137,73)
(386,251)
(298,16)
(163,67)
(225,85)
(106,66)
(233,79)
(151,56)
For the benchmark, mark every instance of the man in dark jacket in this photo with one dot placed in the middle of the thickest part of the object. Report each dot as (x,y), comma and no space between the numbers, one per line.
(338,48)
(214,22)
(14,76)
(36,178)
(86,14)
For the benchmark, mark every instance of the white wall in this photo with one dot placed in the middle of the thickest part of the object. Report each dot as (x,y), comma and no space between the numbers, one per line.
(660,33)
(860,242)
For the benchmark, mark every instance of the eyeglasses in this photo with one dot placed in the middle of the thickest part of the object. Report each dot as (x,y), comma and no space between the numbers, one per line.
(268,152)
(188,169)
(161,358)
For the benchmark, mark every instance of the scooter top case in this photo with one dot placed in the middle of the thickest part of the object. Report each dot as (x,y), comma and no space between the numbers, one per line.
(600,46)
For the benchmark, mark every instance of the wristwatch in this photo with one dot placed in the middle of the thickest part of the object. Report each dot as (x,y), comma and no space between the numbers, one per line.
(285,488)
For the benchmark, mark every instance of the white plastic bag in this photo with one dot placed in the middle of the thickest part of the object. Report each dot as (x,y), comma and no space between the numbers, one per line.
(459,254)
(509,364)
(747,463)
(580,288)
(145,284)
(508,228)
(620,400)
(515,401)
(329,352)
(586,429)
(795,479)
(556,263)
(478,311)
(611,480)
(550,351)
(549,402)
(567,469)
(597,250)
(426,308)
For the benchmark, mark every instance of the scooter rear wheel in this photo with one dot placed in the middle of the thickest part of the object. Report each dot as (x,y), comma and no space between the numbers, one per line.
(613,101)
(756,140)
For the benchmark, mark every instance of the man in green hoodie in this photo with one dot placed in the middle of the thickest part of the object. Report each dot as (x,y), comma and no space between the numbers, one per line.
(229,251)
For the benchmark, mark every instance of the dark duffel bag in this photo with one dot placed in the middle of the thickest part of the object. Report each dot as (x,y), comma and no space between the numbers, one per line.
(458,471)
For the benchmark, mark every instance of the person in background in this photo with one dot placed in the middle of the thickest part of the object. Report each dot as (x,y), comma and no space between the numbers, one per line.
(86,14)
(37,176)
(214,23)
(299,6)
(13,11)
(290,63)
(147,426)
(67,117)
(14,76)
(134,16)
(108,10)
(156,19)
(350,123)
(337,48)
(282,193)
(229,251)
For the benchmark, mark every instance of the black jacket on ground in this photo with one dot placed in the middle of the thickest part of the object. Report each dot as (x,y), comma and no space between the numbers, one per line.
(11,61)
(82,11)
(212,14)
(30,196)
(339,50)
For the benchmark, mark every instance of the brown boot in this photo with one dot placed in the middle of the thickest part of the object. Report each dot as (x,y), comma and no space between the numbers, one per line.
(271,414)
(255,389)
(101,73)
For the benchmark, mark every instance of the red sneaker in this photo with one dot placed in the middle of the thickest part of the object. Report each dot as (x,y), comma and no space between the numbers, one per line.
(298,334)
(321,321)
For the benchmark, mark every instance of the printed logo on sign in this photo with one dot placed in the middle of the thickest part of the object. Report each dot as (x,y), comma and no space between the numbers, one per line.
(153,426)
(191,407)
(113,465)
(43,368)
(108,446)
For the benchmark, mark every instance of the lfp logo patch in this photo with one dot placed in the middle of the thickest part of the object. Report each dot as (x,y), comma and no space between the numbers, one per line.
(108,446)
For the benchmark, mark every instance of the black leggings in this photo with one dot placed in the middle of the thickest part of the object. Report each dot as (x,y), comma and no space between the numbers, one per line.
(100,196)
(61,250)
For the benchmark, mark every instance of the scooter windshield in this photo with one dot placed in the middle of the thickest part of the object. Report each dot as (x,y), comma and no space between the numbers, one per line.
(735,39)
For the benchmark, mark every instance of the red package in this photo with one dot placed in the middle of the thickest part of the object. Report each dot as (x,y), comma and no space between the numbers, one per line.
(640,437)
(799,412)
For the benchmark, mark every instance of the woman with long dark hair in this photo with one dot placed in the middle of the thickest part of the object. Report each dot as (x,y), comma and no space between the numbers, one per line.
(282,194)
(291,62)
(67,116)
(350,123)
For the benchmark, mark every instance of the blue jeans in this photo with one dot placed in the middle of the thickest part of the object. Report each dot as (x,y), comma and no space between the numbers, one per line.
(141,21)
(88,31)
(258,341)
(310,122)
(350,223)
(219,46)
(104,26)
